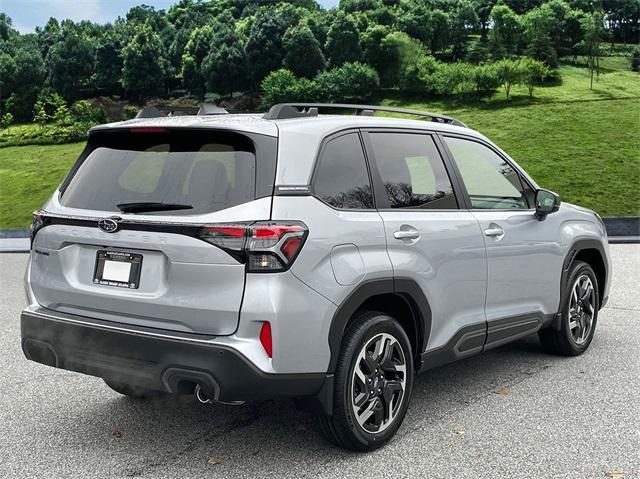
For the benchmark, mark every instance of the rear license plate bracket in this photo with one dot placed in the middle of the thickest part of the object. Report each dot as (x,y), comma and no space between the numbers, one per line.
(117,268)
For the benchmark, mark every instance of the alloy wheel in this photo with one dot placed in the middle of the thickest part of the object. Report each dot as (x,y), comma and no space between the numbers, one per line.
(582,309)
(378,383)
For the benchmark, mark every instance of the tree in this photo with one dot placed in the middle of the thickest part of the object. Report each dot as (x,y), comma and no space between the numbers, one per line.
(144,65)
(69,64)
(108,64)
(7,74)
(264,49)
(593,34)
(343,43)
(225,68)
(198,47)
(504,36)
(537,25)
(402,51)
(303,53)
(27,78)
(463,20)
(509,73)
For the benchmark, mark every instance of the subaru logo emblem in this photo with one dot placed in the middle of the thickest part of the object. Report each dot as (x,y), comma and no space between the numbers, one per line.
(108,225)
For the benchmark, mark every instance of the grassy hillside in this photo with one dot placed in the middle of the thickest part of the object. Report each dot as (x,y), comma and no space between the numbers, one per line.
(580,143)
(28,175)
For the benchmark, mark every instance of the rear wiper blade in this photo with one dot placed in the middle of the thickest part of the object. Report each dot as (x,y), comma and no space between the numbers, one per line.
(141,206)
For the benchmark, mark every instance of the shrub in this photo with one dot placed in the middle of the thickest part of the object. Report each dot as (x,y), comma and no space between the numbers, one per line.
(6,120)
(532,72)
(130,111)
(84,111)
(350,81)
(356,81)
(418,76)
(486,80)
(509,74)
(282,85)
(454,79)
(635,59)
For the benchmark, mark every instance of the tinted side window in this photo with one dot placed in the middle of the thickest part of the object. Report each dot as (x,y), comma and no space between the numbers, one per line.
(412,171)
(342,179)
(490,181)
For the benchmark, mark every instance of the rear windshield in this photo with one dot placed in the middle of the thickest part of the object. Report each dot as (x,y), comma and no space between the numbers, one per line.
(203,171)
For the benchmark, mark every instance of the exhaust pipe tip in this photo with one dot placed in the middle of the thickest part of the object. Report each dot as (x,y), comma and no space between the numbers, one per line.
(201,396)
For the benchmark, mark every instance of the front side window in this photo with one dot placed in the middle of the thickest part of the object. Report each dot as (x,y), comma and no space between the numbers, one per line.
(412,171)
(200,171)
(491,182)
(342,179)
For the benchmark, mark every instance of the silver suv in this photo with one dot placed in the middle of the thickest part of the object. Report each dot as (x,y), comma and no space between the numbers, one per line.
(325,257)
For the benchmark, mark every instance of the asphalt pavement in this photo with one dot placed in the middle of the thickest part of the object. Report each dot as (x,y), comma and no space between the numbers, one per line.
(514,412)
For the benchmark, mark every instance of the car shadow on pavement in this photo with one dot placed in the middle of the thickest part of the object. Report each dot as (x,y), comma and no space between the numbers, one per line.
(180,429)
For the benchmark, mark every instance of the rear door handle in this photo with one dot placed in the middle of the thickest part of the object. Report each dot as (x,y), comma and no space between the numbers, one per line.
(406,232)
(494,231)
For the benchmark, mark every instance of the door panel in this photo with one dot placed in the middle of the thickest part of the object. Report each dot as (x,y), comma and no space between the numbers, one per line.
(447,261)
(524,255)
(524,263)
(429,240)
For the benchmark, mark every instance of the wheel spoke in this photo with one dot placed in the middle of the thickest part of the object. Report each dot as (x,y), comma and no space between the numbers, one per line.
(380,349)
(367,413)
(360,399)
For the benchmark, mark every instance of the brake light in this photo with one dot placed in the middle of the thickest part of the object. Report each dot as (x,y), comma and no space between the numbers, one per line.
(147,129)
(264,246)
(265,339)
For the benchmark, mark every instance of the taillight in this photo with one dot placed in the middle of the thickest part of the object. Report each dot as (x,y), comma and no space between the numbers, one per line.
(265,247)
(37,221)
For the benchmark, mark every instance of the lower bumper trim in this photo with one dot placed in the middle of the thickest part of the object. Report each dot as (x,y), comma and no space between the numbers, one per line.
(159,362)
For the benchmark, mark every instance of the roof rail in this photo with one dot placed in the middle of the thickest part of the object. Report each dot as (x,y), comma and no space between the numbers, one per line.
(167,110)
(149,112)
(211,109)
(282,111)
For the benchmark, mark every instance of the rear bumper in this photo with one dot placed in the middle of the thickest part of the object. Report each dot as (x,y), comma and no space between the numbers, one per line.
(153,358)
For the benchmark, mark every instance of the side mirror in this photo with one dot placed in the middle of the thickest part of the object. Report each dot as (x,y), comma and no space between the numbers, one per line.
(547,202)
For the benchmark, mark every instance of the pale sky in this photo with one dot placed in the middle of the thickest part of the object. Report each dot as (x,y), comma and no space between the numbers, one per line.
(27,14)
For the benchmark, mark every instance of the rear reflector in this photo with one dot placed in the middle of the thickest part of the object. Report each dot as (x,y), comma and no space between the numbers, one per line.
(265,339)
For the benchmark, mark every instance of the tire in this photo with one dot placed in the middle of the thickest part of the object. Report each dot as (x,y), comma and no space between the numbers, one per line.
(361,342)
(571,339)
(133,392)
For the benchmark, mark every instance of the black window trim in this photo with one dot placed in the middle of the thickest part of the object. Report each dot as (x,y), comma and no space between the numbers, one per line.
(463,189)
(316,164)
(378,185)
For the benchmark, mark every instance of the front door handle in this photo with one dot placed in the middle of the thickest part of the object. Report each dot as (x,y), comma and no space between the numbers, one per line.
(494,230)
(407,232)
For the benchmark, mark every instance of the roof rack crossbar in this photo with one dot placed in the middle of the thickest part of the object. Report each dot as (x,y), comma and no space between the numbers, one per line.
(282,111)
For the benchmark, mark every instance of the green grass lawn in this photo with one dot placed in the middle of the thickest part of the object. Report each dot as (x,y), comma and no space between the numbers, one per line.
(583,144)
(28,176)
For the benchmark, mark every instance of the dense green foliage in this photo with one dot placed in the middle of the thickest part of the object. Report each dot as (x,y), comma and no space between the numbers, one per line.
(200,48)
(567,158)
